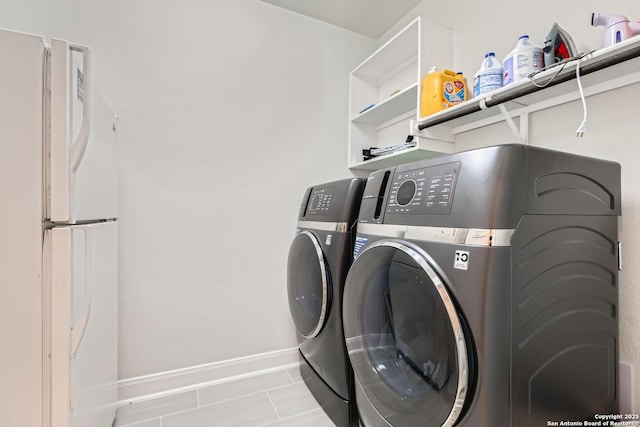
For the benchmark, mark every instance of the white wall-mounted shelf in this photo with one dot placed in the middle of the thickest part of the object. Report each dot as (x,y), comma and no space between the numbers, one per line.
(393,106)
(605,69)
(391,80)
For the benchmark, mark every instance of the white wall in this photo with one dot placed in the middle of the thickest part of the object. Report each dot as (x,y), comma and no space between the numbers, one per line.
(612,128)
(27,16)
(229,110)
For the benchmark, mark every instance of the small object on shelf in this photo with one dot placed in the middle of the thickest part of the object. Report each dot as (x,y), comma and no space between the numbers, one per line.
(558,46)
(372,152)
(524,59)
(489,76)
(618,27)
(368,107)
(465,89)
(395,92)
(440,90)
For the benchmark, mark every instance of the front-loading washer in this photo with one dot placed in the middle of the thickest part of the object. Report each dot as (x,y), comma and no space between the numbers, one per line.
(319,258)
(484,291)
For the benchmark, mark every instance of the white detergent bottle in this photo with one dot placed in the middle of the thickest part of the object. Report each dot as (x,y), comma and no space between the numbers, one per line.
(523,60)
(489,76)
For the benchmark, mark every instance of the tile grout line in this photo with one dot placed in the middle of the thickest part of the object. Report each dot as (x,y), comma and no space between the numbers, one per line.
(214,403)
(161,416)
(224,401)
(245,394)
(211,404)
(292,416)
(250,393)
(281,386)
(200,405)
(272,405)
(290,377)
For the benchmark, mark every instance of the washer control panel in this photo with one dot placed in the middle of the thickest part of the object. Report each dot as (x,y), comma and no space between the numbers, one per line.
(424,191)
(320,201)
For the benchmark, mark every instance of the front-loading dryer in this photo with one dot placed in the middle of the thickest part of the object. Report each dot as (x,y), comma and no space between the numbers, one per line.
(484,291)
(319,258)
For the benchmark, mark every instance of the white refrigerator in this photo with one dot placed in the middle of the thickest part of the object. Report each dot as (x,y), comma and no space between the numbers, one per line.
(58,238)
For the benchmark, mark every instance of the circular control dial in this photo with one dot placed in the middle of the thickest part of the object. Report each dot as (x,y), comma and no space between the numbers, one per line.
(406,192)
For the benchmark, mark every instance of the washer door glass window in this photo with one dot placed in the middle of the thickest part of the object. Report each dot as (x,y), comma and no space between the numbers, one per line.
(308,284)
(404,337)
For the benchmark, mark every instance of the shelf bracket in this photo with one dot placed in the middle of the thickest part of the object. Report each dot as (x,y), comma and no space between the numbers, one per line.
(439,133)
(522,133)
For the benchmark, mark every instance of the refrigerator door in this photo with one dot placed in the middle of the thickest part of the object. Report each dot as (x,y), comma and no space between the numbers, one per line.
(82,147)
(83,328)
(21,207)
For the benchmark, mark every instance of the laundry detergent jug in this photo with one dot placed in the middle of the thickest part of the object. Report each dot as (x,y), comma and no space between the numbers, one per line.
(440,90)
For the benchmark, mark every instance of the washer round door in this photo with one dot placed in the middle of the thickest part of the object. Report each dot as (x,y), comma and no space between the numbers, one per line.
(404,338)
(308,284)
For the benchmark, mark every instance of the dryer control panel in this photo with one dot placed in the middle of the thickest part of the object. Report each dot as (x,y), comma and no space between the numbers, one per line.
(320,201)
(336,201)
(423,191)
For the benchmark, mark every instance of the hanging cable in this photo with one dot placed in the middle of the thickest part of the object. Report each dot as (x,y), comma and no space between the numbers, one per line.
(583,126)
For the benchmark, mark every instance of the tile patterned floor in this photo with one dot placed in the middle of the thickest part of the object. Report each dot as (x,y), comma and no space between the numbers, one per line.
(276,399)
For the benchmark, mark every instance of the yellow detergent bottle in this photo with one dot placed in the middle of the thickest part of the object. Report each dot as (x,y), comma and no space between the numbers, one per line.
(440,90)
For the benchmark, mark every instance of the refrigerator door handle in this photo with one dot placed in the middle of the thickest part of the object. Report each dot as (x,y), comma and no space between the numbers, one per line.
(80,326)
(79,146)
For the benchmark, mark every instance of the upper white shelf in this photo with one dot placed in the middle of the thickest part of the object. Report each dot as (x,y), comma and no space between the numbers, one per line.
(383,62)
(393,106)
(384,92)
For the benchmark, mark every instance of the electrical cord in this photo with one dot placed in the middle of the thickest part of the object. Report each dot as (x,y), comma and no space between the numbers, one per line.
(559,65)
(583,126)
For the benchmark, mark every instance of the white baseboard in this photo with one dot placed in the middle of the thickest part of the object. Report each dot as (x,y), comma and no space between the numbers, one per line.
(171,382)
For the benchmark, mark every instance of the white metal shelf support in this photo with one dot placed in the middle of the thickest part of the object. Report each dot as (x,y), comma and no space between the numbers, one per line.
(522,133)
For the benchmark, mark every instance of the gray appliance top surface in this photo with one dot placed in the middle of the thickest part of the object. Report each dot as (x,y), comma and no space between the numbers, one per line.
(492,187)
